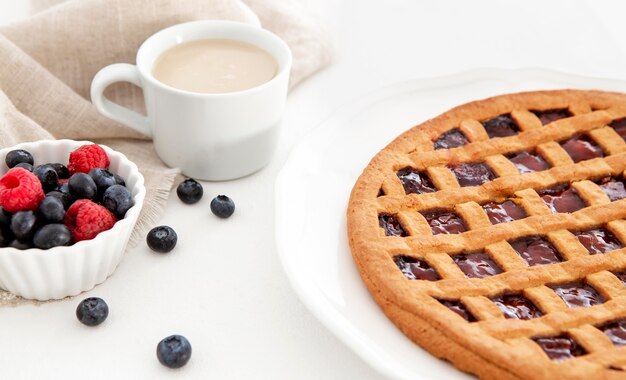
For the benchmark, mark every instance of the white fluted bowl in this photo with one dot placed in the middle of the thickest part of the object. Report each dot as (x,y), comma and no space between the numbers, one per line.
(67,271)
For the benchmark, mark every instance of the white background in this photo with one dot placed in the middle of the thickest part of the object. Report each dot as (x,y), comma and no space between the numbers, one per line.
(223,286)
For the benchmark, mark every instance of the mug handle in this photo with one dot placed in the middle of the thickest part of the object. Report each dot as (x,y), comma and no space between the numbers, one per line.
(118,72)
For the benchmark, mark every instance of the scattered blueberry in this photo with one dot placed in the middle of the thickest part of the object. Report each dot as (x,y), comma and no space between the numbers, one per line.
(81,186)
(174,351)
(62,171)
(25,165)
(162,239)
(17,156)
(222,206)
(52,235)
(23,224)
(52,209)
(92,311)
(118,200)
(65,198)
(189,191)
(47,176)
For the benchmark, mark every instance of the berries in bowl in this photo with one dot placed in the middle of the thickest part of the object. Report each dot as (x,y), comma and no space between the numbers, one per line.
(67,210)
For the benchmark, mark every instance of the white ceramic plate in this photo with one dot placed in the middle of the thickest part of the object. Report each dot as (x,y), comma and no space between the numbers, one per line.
(313,188)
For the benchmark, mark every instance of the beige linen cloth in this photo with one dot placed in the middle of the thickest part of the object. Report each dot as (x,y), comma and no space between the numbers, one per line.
(47,63)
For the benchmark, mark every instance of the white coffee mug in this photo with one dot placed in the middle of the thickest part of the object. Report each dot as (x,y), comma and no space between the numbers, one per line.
(208,136)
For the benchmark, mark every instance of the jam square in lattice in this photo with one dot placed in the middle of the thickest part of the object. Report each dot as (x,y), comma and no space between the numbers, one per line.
(415,269)
(516,306)
(562,198)
(528,161)
(506,211)
(460,309)
(444,222)
(559,348)
(476,264)
(616,331)
(599,240)
(621,276)
(472,173)
(536,250)
(578,294)
(415,182)
(391,225)
(619,125)
(501,126)
(548,116)
(451,139)
(614,189)
(581,147)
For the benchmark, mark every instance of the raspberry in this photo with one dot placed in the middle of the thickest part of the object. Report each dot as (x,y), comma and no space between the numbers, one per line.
(20,190)
(88,157)
(86,219)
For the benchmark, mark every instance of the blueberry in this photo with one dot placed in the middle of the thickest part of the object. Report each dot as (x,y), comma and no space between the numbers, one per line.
(162,239)
(25,165)
(222,206)
(65,198)
(52,235)
(174,351)
(103,179)
(119,180)
(17,156)
(62,171)
(81,186)
(6,236)
(118,200)
(189,191)
(23,224)
(5,217)
(47,176)
(52,209)
(92,311)
(20,244)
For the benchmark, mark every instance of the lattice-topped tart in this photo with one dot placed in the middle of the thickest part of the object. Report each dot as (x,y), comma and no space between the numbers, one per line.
(493,235)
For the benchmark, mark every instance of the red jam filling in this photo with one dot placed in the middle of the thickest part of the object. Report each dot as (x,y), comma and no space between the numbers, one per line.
(616,331)
(598,240)
(506,211)
(516,306)
(444,222)
(415,269)
(619,125)
(548,116)
(562,198)
(415,182)
(460,309)
(472,173)
(476,265)
(582,147)
(560,348)
(501,126)
(578,294)
(451,139)
(528,162)
(391,225)
(536,250)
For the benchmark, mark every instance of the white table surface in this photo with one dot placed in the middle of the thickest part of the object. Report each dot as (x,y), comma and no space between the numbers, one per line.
(223,286)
